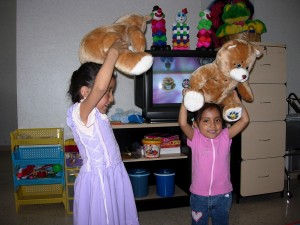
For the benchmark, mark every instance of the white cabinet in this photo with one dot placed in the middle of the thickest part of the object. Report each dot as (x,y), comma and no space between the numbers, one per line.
(261,176)
(263,142)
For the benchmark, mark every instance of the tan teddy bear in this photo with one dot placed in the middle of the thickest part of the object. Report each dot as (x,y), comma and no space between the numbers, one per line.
(130,28)
(215,82)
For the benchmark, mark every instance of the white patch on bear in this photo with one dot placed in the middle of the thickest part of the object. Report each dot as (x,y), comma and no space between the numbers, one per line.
(193,101)
(143,65)
(233,114)
(239,74)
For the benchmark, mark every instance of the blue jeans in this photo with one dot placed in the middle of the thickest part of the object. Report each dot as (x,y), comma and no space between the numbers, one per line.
(217,207)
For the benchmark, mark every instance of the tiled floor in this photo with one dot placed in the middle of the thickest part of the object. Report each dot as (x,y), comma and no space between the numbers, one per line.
(270,209)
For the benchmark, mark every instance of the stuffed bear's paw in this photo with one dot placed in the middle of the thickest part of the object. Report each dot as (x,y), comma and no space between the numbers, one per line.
(232,114)
(142,66)
(193,101)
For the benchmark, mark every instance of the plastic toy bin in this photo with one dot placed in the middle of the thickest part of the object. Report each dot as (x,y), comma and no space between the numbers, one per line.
(37,136)
(139,181)
(165,182)
(38,152)
(38,156)
(39,194)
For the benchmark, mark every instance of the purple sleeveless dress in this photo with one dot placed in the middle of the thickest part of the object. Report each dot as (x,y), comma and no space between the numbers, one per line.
(103,192)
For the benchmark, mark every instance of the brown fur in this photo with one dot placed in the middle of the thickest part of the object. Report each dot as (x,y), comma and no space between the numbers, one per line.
(131,28)
(213,80)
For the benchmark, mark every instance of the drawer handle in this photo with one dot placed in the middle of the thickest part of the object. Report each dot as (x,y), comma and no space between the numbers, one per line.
(265,176)
(265,102)
(265,139)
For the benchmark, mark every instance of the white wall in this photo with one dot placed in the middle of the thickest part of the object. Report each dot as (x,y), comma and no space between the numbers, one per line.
(49,33)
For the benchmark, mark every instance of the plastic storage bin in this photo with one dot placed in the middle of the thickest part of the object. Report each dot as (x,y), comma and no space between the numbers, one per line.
(37,136)
(37,156)
(139,181)
(165,182)
(39,194)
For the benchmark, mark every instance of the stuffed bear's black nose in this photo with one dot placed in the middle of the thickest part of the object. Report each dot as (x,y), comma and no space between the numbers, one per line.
(244,77)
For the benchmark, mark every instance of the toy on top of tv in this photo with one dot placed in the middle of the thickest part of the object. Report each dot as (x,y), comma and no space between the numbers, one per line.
(204,32)
(232,19)
(180,31)
(158,26)
(237,20)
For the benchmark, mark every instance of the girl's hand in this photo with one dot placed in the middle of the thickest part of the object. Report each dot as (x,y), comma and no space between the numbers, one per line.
(119,45)
(184,91)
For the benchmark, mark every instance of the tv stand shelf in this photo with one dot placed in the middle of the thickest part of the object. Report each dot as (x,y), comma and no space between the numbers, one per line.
(126,134)
(143,125)
(162,157)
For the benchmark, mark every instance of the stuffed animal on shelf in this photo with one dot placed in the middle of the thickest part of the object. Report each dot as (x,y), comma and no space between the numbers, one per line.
(215,82)
(131,28)
(129,116)
(181,31)
(236,19)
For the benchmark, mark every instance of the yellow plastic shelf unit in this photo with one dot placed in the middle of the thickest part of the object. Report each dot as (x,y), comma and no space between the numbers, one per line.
(37,193)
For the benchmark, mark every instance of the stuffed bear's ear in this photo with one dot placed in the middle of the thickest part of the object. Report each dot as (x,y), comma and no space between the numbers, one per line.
(258,51)
(230,44)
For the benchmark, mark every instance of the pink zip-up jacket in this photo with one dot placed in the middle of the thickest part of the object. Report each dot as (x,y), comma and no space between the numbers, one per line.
(210,164)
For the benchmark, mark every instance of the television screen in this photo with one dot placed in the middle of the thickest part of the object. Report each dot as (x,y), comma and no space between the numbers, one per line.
(170,76)
(158,92)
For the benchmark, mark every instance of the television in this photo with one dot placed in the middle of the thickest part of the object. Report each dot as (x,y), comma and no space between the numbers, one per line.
(158,92)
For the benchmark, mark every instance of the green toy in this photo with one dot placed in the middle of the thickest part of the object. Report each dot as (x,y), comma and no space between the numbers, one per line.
(56,168)
(236,20)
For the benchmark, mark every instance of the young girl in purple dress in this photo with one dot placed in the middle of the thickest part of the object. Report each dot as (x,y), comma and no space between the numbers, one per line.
(103,192)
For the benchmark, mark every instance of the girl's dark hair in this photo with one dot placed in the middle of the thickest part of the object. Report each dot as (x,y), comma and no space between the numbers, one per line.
(84,76)
(198,114)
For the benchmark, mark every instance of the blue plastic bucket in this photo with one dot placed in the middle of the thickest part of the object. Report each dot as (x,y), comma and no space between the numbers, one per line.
(165,182)
(139,182)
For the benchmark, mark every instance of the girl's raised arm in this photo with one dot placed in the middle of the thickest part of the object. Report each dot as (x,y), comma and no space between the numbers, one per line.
(186,128)
(102,80)
(242,123)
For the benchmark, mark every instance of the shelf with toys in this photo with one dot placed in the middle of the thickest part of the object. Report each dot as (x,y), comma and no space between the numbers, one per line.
(130,139)
(128,136)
